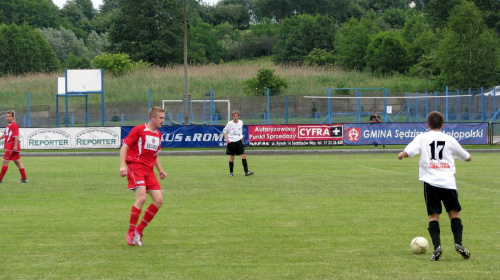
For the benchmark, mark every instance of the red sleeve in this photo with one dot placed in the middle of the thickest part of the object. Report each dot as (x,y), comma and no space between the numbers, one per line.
(15,129)
(133,136)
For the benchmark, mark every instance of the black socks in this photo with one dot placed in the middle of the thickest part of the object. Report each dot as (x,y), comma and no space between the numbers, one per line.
(435,232)
(245,166)
(457,229)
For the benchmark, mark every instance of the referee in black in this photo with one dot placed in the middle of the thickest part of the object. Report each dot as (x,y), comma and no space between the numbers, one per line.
(233,134)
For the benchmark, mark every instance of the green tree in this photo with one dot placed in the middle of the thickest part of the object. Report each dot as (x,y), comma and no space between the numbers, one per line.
(75,19)
(351,42)
(265,79)
(468,54)
(64,42)
(491,13)
(149,30)
(438,11)
(24,50)
(236,12)
(278,10)
(204,46)
(394,17)
(258,41)
(387,53)
(36,13)
(420,37)
(299,35)
(97,43)
(384,5)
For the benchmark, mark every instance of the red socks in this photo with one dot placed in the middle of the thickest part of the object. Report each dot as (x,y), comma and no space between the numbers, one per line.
(134,218)
(148,216)
(4,170)
(23,174)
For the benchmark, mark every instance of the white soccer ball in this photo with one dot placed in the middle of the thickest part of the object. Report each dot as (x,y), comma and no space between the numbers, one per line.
(419,245)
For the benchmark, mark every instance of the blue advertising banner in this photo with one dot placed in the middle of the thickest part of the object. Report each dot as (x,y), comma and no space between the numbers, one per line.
(403,133)
(190,136)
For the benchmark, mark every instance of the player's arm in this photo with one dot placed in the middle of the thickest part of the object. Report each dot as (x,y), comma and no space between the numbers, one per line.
(16,141)
(123,164)
(402,155)
(163,174)
(2,136)
(226,137)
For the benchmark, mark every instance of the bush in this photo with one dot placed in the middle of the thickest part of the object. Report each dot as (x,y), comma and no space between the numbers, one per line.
(116,64)
(320,57)
(265,79)
(74,62)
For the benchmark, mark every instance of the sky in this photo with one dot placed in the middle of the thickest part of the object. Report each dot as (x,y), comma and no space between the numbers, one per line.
(98,3)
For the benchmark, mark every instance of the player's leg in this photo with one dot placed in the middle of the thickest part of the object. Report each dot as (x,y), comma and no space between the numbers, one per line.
(434,209)
(231,165)
(154,190)
(241,152)
(451,202)
(136,183)
(135,213)
(22,171)
(5,164)
(151,210)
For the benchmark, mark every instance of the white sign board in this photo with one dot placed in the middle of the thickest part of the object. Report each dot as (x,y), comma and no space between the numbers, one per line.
(86,80)
(69,138)
(389,110)
(61,85)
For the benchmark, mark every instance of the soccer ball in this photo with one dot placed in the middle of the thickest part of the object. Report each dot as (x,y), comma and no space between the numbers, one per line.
(419,245)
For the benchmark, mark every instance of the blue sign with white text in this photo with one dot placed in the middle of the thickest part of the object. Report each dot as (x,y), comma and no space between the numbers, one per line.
(190,136)
(403,133)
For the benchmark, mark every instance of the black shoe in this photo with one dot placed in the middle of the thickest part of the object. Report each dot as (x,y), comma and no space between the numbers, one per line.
(249,173)
(462,251)
(437,254)
(24,181)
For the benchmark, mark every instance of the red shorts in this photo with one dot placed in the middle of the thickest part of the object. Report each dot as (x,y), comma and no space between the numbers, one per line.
(11,155)
(139,175)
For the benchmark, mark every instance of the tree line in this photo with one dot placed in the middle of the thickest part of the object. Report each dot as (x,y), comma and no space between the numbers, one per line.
(455,42)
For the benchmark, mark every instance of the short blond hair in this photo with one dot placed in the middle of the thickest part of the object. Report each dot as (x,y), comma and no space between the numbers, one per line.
(235,112)
(155,110)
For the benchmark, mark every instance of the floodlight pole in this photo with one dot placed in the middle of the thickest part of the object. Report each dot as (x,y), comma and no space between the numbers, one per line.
(186,97)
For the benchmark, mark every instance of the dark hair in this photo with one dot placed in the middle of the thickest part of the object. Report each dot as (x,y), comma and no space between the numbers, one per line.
(10,113)
(435,120)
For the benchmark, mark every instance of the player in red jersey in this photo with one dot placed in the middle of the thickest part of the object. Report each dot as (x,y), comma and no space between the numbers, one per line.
(12,147)
(138,157)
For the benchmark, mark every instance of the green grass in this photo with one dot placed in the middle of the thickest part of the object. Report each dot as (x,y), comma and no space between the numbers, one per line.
(227,80)
(299,217)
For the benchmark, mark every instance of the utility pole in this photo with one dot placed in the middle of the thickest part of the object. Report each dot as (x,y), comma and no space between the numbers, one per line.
(186,93)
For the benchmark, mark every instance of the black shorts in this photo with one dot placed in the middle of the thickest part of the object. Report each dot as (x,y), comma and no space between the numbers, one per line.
(235,148)
(434,195)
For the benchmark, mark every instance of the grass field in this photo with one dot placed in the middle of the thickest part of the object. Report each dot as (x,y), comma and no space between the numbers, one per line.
(227,80)
(299,217)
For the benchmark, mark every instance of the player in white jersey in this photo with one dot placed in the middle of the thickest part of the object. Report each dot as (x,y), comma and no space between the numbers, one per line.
(233,134)
(437,171)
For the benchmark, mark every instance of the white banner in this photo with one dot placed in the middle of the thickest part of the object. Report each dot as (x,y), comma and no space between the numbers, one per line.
(68,138)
